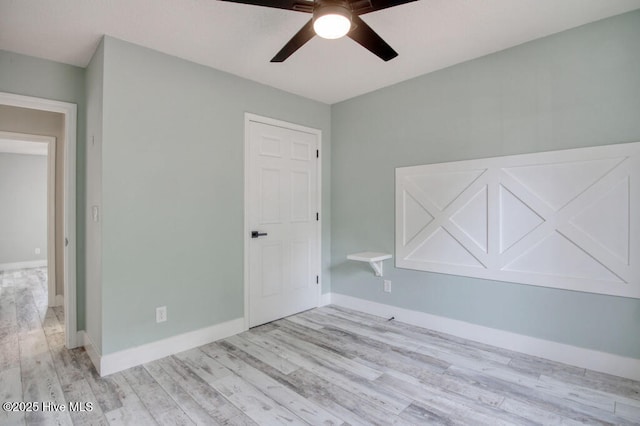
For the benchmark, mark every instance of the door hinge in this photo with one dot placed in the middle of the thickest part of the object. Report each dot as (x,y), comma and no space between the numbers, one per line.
(317,216)
(317,153)
(317,279)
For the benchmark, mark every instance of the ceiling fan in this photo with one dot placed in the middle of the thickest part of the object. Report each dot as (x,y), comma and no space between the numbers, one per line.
(333,19)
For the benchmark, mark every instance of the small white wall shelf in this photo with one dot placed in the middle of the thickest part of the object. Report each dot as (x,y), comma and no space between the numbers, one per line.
(374,259)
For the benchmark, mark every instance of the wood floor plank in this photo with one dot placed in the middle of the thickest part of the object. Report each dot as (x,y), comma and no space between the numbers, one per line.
(545,366)
(416,414)
(454,385)
(106,391)
(283,395)
(536,414)
(130,409)
(209,399)
(307,386)
(55,340)
(412,345)
(191,408)
(205,367)
(51,324)
(11,391)
(40,381)
(260,408)
(349,382)
(375,333)
(128,415)
(351,406)
(8,313)
(331,399)
(414,348)
(27,315)
(593,396)
(629,412)
(316,336)
(303,322)
(430,334)
(377,356)
(392,328)
(267,356)
(9,348)
(83,405)
(66,363)
(161,406)
(608,383)
(326,356)
(59,311)
(539,398)
(458,409)
(558,389)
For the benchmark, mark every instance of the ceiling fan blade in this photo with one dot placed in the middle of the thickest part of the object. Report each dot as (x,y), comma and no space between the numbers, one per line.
(369,39)
(297,5)
(360,7)
(305,34)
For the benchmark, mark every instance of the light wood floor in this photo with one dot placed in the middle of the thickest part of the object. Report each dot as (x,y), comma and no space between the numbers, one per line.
(322,367)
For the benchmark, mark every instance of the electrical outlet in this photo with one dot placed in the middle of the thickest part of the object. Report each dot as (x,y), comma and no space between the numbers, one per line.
(161,314)
(37,251)
(387,286)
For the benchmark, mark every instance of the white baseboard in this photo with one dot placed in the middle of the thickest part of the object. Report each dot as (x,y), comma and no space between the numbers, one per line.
(560,352)
(23,265)
(59,300)
(121,360)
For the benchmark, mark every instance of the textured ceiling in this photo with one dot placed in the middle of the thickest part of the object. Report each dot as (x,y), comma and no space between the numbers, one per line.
(241,39)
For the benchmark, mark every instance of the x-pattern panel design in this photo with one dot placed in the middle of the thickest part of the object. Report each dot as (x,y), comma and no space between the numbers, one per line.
(442,219)
(560,222)
(566,219)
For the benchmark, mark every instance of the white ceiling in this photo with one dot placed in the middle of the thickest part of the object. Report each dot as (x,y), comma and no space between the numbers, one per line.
(241,39)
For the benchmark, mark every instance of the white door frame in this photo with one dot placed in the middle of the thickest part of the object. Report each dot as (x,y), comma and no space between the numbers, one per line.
(70,113)
(248,118)
(22,143)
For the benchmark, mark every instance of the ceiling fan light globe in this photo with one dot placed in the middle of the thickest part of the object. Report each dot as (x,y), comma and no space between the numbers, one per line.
(332,22)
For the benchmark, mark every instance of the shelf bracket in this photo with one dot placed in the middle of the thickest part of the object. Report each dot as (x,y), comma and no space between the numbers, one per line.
(377,267)
(374,260)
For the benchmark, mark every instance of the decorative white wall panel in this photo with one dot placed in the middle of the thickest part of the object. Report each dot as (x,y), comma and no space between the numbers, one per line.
(567,219)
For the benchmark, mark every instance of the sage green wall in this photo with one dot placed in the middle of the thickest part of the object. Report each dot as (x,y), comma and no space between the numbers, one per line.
(23,215)
(29,76)
(93,243)
(173,191)
(574,89)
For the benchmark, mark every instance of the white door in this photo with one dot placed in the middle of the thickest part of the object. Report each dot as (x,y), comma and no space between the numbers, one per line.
(282,212)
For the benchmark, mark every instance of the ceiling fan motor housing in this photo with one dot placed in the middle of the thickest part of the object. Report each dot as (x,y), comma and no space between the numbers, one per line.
(332,9)
(323,7)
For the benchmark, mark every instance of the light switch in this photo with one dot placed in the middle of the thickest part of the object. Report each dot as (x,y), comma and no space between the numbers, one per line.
(95,213)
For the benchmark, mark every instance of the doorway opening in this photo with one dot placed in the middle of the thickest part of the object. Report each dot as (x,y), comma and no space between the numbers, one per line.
(65,249)
(28,173)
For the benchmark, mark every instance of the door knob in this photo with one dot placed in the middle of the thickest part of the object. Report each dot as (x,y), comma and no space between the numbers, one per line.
(256,234)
